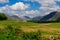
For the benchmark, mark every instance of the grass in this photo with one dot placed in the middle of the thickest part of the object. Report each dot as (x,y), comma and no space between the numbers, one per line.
(11,33)
(30,26)
(18,30)
(15,23)
(55,25)
(8,34)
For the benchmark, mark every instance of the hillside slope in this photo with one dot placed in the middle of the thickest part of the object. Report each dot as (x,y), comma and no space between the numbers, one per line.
(53,16)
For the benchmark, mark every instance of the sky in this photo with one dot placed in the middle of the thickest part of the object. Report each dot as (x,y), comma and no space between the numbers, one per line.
(31,8)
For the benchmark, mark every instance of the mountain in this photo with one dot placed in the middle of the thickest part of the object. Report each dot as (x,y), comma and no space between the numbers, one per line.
(53,16)
(36,18)
(15,17)
(27,18)
(56,17)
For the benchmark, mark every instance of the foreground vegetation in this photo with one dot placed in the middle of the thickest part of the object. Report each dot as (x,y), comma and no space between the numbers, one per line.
(17,30)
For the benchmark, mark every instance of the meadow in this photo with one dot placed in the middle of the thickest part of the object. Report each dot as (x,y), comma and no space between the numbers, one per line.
(17,30)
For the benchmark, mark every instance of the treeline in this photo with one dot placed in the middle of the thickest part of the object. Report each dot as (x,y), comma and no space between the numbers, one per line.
(43,21)
(3,16)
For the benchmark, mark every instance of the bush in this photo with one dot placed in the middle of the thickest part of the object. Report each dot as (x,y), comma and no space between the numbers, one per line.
(9,33)
(32,36)
(3,16)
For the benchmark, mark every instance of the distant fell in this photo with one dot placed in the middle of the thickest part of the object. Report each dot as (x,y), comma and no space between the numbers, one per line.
(53,16)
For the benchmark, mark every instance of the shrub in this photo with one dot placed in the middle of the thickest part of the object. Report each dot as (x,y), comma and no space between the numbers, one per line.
(9,34)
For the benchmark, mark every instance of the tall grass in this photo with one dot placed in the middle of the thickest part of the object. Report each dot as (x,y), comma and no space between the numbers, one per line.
(32,36)
(16,33)
(11,33)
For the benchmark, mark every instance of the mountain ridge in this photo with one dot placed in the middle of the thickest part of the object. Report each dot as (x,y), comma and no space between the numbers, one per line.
(53,16)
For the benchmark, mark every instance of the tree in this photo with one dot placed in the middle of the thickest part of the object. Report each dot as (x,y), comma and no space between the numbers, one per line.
(3,16)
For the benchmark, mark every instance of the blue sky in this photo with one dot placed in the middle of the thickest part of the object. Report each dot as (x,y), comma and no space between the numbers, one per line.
(32,4)
(29,7)
(58,3)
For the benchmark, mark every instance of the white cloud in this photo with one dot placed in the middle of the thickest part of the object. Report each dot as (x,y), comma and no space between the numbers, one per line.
(47,5)
(57,0)
(8,9)
(4,1)
(33,13)
(19,6)
(16,7)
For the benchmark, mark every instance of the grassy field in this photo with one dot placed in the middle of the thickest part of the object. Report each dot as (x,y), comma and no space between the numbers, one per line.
(8,28)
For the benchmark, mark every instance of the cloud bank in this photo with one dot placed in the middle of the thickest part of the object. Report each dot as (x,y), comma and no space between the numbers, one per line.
(4,1)
(19,8)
